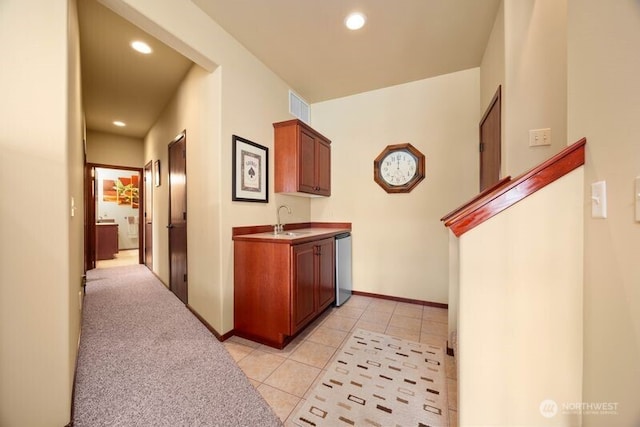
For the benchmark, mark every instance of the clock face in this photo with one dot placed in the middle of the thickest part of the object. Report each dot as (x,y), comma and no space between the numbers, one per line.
(399,168)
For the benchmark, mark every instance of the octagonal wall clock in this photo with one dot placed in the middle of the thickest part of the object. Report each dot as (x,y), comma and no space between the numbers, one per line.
(399,168)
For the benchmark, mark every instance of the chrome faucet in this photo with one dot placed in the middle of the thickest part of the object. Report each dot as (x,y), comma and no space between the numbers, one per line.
(279,227)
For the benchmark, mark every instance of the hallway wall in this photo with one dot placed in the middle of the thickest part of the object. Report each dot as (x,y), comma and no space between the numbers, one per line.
(237,95)
(110,149)
(527,55)
(604,106)
(535,91)
(39,283)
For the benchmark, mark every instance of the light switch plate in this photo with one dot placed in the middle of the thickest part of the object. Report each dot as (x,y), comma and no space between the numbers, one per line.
(539,137)
(599,199)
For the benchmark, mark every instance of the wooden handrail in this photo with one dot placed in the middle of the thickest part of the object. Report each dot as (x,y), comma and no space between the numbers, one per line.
(505,194)
(460,209)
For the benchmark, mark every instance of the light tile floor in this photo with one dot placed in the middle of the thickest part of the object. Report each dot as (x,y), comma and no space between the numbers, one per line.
(284,377)
(124,257)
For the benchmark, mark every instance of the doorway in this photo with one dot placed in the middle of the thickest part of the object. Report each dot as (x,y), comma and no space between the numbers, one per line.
(491,142)
(114,203)
(148,215)
(178,217)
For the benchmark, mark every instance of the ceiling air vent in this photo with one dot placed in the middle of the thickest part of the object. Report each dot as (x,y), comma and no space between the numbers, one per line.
(298,107)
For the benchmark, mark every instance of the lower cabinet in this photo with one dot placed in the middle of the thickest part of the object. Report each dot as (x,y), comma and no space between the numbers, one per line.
(106,241)
(313,283)
(279,288)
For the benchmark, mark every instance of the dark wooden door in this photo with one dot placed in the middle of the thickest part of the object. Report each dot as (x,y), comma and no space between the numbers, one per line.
(178,218)
(90,218)
(491,143)
(325,272)
(148,215)
(303,293)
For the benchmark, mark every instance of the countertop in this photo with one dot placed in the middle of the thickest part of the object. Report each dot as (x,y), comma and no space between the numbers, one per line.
(293,236)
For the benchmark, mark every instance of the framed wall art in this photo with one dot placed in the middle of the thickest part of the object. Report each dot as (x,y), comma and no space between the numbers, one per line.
(250,171)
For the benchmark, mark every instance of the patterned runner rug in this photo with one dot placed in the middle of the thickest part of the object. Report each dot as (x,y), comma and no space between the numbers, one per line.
(379,380)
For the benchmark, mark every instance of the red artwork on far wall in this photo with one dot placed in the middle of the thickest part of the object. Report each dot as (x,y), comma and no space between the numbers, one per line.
(123,191)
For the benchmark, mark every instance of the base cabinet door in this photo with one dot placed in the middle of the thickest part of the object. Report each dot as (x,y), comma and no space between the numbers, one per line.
(325,273)
(313,281)
(303,286)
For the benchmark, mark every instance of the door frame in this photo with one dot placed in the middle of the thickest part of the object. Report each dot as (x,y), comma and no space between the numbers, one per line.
(148,190)
(90,211)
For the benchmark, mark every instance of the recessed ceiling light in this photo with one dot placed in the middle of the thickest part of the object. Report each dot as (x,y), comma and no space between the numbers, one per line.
(119,123)
(355,21)
(141,47)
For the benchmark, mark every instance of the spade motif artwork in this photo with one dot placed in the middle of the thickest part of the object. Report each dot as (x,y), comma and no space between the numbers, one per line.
(250,171)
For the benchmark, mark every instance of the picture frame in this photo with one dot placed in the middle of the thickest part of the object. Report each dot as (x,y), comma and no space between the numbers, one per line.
(156,173)
(250,171)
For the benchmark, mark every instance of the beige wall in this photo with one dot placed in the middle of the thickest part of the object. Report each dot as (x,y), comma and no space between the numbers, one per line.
(604,66)
(40,244)
(75,168)
(520,321)
(492,75)
(117,150)
(535,91)
(400,247)
(492,66)
(185,112)
(242,97)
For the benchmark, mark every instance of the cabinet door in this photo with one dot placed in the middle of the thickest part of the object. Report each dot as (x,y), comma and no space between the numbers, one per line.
(323,168)
(326,272)
(302,289)
(307,178)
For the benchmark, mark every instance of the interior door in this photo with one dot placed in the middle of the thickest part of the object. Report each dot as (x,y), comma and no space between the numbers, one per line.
(178,217)
(491,143)
(90,218)
(148,215)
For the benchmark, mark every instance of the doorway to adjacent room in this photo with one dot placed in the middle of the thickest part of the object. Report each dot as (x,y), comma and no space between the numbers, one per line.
(114,201)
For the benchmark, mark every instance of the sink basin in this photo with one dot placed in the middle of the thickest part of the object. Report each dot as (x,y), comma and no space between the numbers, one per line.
(294,233)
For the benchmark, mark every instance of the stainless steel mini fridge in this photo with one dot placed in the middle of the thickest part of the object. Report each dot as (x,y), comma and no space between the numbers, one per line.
(343,268)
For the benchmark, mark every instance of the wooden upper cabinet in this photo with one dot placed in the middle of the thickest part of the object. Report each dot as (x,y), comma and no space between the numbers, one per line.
(302,160)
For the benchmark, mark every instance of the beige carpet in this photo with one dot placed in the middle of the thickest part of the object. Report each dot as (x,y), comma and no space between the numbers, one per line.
(146,361)
(379,380)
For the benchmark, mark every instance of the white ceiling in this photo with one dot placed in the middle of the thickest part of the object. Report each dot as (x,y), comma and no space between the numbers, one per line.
(303,41)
